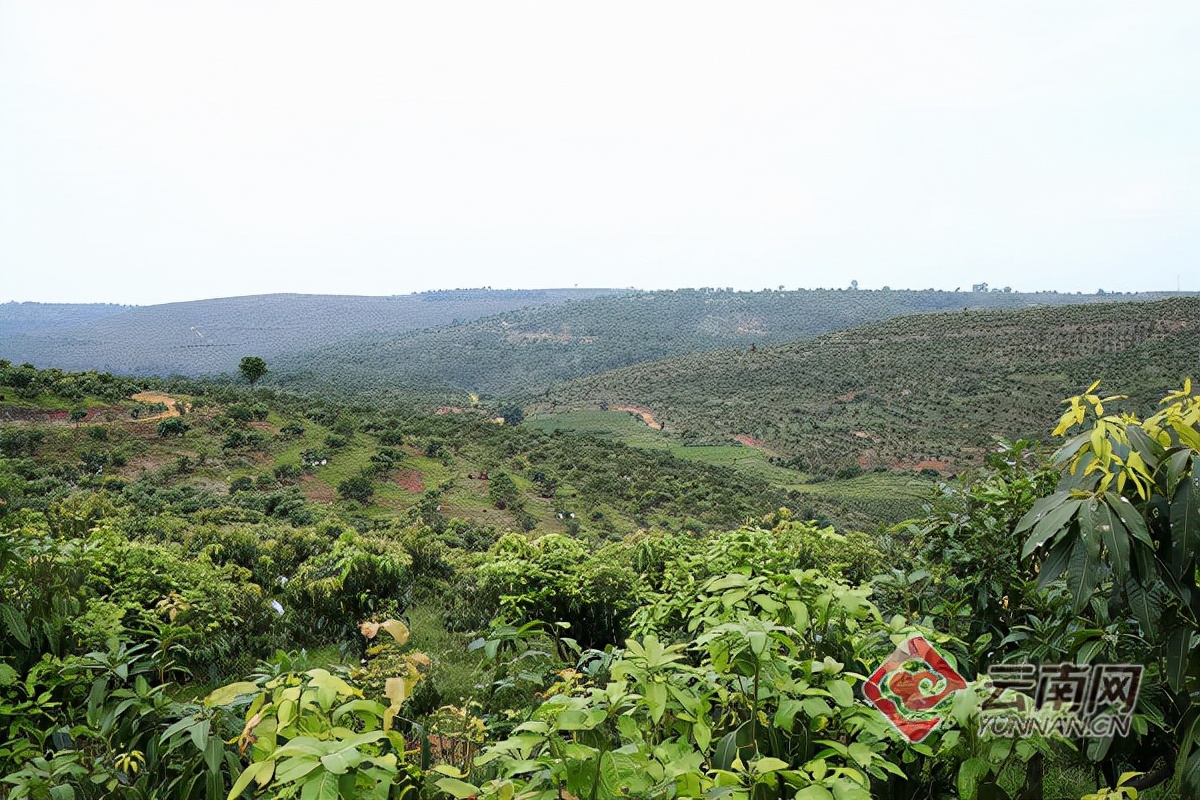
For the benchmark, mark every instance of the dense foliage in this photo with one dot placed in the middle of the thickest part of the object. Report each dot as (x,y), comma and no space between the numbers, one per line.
(188,609)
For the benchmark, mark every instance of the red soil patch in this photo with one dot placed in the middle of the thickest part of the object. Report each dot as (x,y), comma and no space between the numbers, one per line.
(847,397)
(315,490)
(644,413)
(411,480)
(37,415)
(750,441)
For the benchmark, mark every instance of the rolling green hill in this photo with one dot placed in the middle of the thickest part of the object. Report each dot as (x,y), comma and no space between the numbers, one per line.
(208,337)
(518,351)
(260,454)
(912,393)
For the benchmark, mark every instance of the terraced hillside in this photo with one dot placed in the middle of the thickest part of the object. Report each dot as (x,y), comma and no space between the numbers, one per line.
(913,393)
(535,347)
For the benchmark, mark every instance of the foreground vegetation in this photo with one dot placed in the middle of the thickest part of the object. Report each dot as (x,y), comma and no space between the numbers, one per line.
(193,605)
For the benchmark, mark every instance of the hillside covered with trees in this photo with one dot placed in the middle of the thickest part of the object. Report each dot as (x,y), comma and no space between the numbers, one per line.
(927,391)
(207,337)
(519,351)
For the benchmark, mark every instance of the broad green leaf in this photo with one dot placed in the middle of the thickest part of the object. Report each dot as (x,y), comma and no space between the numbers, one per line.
(970,774)
(1131,518)
(199,733)
(290,770)
(15,624)
(1178,650)
(1083,567)
(785,716)
(656,699)
(843,695)
(250,773)
(1185,525)
(725,751)
(1115,538)
(1056,561)
(1038,511)
(843,790)
(861,754)
(227,694)
(1150,450)
(1190,778)
(323,786)
(1145,607)
(1053,521)
(767,764)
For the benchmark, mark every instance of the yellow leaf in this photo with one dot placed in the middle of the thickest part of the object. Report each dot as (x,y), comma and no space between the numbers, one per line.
(397,629)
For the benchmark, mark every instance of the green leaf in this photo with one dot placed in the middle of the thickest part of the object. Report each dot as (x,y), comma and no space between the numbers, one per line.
(1150,450)
(8,675)
(656,699)
(725,752)
(321,787)
(1145,607)
(249,774)
(291,770)
(814,792)
(1056,562)
(15,624)
(1191,775)
(1130,516)
(1185,526)
(1177,650)
(843,695)
(1051,521)
(1115,538)
(1083,567)
(768,764)
(1038,511)
(1177,464)
(227,694)
(785,716)
(862,754)
(457,788)
(970,774)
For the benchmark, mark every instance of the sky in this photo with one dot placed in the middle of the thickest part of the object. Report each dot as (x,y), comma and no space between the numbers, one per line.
(155,152)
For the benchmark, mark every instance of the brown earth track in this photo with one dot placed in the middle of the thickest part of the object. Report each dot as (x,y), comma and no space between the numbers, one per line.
(645,413)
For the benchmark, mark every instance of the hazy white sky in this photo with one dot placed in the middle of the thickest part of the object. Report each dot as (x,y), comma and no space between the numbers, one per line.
(162,151)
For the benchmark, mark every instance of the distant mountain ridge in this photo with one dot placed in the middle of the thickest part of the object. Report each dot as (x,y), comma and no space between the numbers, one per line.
(522,351)
(21,318)
(205,337)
